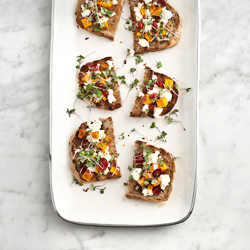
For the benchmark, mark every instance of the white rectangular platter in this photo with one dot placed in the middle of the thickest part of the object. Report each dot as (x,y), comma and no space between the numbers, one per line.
(181,62)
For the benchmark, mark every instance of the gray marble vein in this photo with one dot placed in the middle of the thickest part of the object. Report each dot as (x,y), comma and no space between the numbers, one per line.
(221,217)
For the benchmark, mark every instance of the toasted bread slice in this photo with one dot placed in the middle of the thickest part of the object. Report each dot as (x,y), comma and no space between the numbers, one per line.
(109,26)
(82,151)
(154,28)
(151,181)
(139,106)
(98,86)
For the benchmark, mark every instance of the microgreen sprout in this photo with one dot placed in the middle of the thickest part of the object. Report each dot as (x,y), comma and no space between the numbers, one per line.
(170,119)
(76,181)
(159,65)
(100,187)
(70,112)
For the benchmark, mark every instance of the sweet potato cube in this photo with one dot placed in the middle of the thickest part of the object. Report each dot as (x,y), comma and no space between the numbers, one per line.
(96,100)
(114,170)
(151,169)
(102,146)
(169,82)
(162,102)
(107,4)
(138,34)
(82,133)
(148,36)
(157,12)
(141,181)
(99,170)
(162,34)
(87,175)
(100,2)
(148,176)
(163,167)
(157,182)
(146,99)
(104,98)
(104,26)
(150,187)
(107,139)
(95,135)
(85,78)
(86,23)
(103,67)
(143,12)
(102,81)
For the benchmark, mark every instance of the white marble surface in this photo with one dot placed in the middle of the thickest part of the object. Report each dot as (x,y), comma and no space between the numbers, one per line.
(221,216)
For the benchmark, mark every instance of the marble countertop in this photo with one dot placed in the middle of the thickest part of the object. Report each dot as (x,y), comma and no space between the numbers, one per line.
(221,216)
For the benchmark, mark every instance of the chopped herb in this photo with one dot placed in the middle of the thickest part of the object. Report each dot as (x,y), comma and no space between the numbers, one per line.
(69,112)
(132,70)
(159,65)
(93,187)
(112,158)
(102,190)
(188,89)
(177,86)
(169,119)
(152,125)
(137,152)
(98,29)
(78,67)
(129,168)
(133,130)
(153,181)
(174,111)
(131,177)
(137,187)
(146,183)
(76,181)
(125,183)
(122,136)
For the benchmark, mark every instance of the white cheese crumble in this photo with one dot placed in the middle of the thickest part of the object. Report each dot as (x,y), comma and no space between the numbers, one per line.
(103,19)
(143,42)
(167,95)
(111,97)
(92,169)
(136,173)
(118,164)
(86,13)
(147,1)
(148,27)
(114,2)
(131,52)
(154,77)
(105,155)
(166,15)
(110,63)
(145,107)
(146,192)
(95,125)
(154,90)
(138,14)
(148,14)
(157,113)
(165,179)
(140,94)
(152,158)
(113,14)
(106,171)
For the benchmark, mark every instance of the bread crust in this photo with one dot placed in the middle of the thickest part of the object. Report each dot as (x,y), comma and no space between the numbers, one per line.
(110,33)
(74,143)
(164,195)
(174,24)
(116,91)
(138,105)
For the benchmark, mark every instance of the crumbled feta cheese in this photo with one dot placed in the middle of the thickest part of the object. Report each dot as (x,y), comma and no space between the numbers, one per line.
(106,171)
(105,155)
(140,94)
(138,14)
(114,2)
(147,1)
(94,125)
(140,5)
(148,14)
(167,95)
(136,173)
(92,169)
(131,52)
(152,158)
(154,90)
(111,97)
(146,192)
(145,107)
(165,179)
(148,27)
(110,63)
(157,113)
(166,15)
(113,14)
(154,77)
(86,13)
(155,166)
(143,42)
(91,139)
(103,19)
(101,134)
